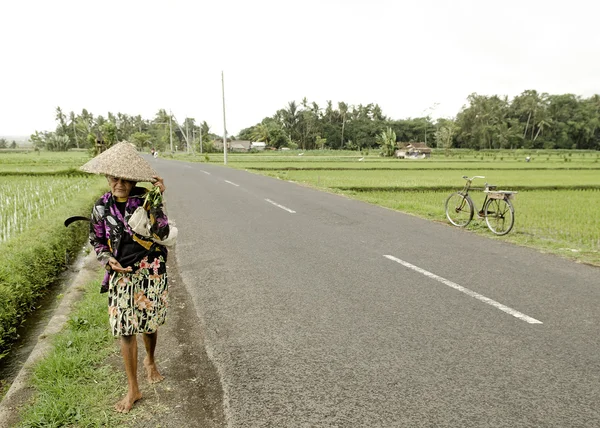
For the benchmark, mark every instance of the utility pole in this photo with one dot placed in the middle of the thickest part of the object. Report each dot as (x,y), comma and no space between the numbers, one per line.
(170,132)
(224,124)
(187,136)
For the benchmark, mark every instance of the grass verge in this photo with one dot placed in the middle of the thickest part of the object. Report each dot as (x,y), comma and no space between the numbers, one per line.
(75,385)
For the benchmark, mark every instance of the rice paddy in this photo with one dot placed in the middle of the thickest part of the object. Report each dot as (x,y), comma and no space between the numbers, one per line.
(24,199)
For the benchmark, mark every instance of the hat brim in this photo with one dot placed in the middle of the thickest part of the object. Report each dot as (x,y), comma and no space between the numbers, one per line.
(123,161)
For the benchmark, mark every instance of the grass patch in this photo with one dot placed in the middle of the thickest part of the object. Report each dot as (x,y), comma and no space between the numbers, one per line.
(74,385)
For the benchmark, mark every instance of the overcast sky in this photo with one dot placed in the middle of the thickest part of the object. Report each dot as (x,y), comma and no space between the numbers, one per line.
(411,57)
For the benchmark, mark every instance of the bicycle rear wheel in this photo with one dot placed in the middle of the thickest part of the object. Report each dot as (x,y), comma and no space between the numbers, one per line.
(459,209)
(499,215)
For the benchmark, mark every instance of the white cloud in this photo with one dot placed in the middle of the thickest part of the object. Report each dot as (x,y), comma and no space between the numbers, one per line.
(139,56)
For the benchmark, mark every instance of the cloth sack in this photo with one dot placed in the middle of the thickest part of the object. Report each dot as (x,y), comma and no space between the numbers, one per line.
(170,240)
(140,224)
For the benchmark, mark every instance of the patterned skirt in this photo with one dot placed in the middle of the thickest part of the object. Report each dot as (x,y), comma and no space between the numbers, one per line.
(138,300)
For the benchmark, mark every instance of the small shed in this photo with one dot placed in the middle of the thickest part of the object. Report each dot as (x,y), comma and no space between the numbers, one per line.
(236,146)
(418,150)
(412,151)
(258,145)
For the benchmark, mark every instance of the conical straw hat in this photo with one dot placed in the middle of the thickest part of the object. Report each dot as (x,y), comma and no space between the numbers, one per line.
(121,160)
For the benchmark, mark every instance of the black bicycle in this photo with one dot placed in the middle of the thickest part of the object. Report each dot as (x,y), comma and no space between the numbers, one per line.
(498,211)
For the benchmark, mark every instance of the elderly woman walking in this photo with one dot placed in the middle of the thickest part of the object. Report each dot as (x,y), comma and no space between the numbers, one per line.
(136,276)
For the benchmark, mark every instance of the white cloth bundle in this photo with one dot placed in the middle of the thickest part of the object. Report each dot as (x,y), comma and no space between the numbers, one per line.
(140,224)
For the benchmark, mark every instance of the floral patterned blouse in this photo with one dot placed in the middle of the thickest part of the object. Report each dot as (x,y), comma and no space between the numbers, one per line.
(111,236)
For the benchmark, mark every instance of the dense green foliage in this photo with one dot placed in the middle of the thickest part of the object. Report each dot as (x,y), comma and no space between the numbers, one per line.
(530,120)
(86,131)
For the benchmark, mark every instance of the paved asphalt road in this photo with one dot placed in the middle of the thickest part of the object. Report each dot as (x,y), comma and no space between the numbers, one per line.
(310,324)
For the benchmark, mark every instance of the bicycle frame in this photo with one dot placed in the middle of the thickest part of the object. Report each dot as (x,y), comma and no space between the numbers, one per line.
(467,187)
(496,210)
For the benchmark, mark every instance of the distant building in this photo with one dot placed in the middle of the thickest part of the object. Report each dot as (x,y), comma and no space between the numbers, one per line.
(239,146)
(258,145)
(236,146)
(413,150)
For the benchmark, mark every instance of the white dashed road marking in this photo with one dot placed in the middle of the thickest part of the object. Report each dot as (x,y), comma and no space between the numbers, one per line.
(232,183)
(280,206)
(468,292)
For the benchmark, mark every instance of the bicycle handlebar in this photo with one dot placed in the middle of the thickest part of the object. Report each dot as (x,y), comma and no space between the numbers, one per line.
(473,178)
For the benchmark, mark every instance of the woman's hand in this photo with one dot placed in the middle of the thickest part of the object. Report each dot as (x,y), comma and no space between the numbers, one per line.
(116,266)
(159,182)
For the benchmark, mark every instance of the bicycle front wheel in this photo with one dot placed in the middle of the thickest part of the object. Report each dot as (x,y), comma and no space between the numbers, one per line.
(459,209)
(499,215)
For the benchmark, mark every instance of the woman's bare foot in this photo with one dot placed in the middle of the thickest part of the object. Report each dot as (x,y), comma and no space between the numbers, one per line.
(125,405)
(152,372)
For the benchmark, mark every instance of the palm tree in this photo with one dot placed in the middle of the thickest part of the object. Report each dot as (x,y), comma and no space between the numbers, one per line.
(261,133)
(343,108)
(290,119)
(73,126)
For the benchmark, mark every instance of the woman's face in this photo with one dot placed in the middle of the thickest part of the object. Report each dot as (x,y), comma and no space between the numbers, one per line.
(120,187)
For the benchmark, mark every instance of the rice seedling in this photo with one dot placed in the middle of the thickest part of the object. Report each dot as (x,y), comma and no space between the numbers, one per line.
(26,198)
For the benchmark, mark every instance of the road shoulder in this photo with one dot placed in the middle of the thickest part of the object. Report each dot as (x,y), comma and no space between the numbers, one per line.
(191,394)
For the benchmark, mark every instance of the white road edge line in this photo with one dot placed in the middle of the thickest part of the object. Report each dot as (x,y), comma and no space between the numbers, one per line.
(468,292)
(206,172)
(280,206)
(232,183)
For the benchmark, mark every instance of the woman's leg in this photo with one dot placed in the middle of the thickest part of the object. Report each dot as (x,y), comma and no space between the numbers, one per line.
(151,370)
(129,352)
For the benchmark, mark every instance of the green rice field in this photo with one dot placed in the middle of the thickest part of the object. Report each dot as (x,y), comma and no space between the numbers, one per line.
(38,191)
(24,199)
(36,162)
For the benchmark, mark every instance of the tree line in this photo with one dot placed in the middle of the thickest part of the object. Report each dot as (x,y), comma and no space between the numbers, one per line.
(163,132)
(530,120)
(4,144)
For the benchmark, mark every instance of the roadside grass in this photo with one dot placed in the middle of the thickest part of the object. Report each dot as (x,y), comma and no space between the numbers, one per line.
(75,385)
